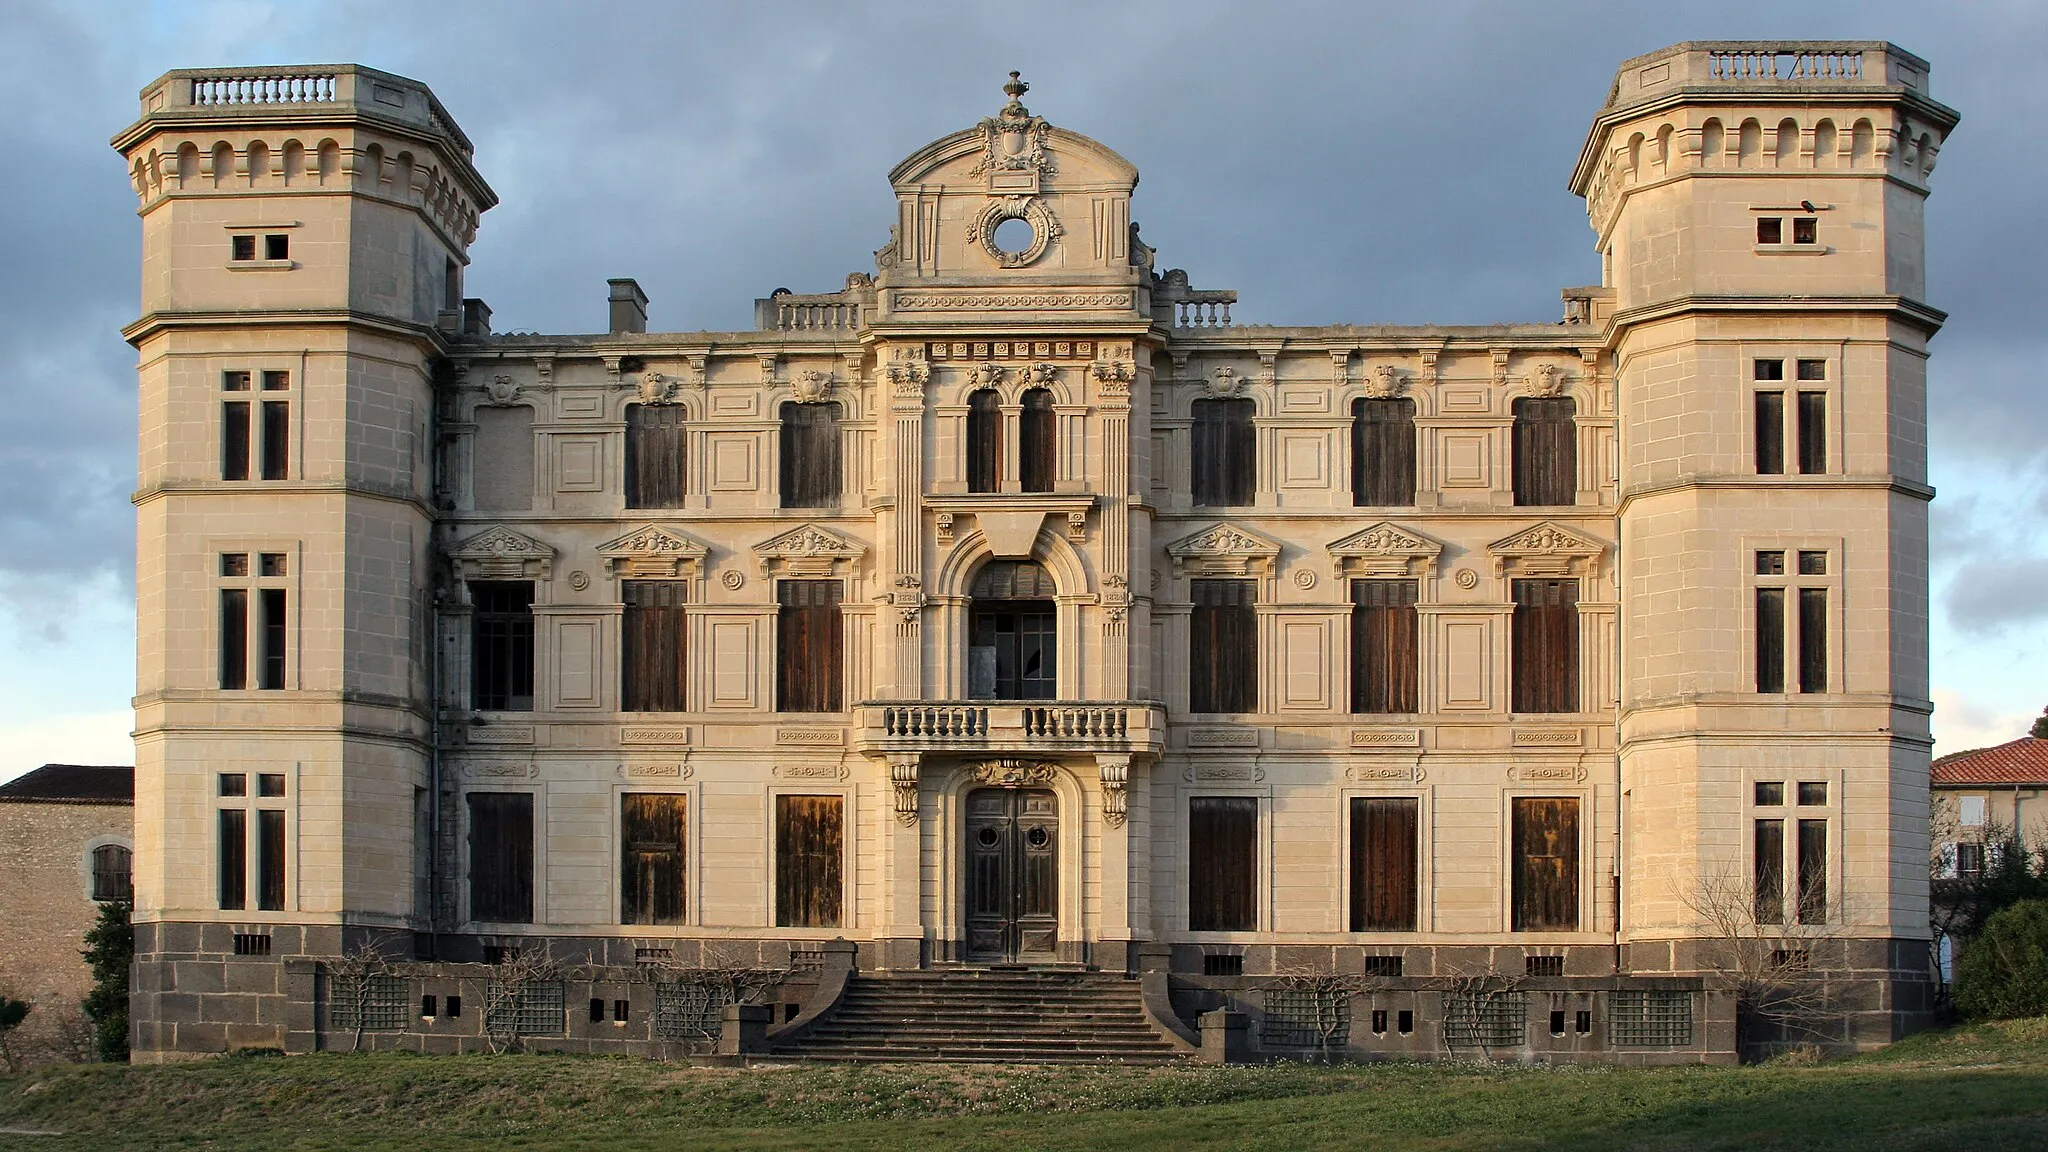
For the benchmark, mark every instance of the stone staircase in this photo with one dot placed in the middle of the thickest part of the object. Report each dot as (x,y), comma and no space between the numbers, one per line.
(994,1016)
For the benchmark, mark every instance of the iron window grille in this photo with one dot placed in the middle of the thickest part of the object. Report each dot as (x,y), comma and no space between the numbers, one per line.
(1487,1020)
(1306,1018)
(535,1009)
(368,1003)
(686,1012)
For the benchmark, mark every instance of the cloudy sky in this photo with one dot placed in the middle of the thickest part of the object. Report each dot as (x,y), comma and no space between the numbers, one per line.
(1355,162)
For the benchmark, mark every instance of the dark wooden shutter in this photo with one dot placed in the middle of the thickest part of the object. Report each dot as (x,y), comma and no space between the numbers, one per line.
(1383,872)
(656,452)
(1382,452)
(1546,639)
(501,857)
(270,670)
(270,860)
(984,441)
(652,652)
(1546,450)
(1813,433)
(1037,441)
(501,645)
(1770,639)
(234,440)
(1813,871)
(1223,647)
(1770,433)
(1224,462)
(1383,647)
(234,858)
(1813,639)
(808,673)
(1546,855)
(809,837)
(1223,863)
(652,853)
(810,455)
(234,638)
(1769,872)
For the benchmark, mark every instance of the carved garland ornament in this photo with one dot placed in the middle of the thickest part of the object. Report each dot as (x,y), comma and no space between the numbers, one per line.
(811,386)
(1386,382)
(1014,773)
(1044,229)
(1014,140)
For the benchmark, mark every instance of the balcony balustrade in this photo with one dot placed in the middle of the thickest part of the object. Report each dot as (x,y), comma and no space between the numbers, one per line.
(1133,726)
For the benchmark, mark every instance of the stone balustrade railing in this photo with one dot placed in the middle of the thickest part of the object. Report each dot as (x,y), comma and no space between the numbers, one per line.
(214,92)
(1020,726)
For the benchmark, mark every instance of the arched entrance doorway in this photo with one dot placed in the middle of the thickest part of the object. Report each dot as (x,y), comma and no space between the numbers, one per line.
(1012,875)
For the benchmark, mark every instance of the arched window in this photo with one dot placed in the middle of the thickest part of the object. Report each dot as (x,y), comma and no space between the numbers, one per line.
(1012,649)
(984,441)
(1546,450)
(1037,429)
(810,455)
(1382,452)
(112,873)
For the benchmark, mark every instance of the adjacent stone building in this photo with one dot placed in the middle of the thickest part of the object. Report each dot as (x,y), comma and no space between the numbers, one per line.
(1013,605)
(66,840)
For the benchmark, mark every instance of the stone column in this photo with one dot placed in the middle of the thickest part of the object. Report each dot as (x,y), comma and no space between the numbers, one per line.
(906,376)
(901,926)
(1113,378)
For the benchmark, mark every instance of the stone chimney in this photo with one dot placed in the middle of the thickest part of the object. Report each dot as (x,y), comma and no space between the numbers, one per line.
(629,306)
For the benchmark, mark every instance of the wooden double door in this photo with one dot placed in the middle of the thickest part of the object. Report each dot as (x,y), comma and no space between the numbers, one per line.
(1012,875)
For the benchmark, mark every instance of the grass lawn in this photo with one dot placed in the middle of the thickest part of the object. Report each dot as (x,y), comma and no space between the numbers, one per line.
(1981,1088)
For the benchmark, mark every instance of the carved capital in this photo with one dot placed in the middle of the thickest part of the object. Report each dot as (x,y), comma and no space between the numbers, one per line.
(1116,780)
(903,781)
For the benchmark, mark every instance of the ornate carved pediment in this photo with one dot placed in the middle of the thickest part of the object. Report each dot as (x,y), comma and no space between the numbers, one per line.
(652,551)
(1223,550)
(1386,549)
(499,553)
(1547,549)
(1015,773)
(808,550)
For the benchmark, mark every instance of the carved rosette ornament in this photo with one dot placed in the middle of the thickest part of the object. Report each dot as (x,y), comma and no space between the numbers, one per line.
(1116,782)
(1014,773)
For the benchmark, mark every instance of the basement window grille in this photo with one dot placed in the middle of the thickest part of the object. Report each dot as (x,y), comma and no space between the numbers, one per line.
(1488,1020)
(1543,965)
(1383,966)
(1650,1019)
(1306,1018)
(252,943)
(368,1003)
(685,1012)
(1216,964)
(536,1009)
(806,959)
(653,955)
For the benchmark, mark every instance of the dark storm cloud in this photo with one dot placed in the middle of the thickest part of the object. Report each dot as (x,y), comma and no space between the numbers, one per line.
(1332,162)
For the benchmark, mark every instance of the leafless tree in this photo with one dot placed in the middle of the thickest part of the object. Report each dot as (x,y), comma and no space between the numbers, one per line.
(1475,996)
(1781,974)
(511,983)
(352,980)
(1329,995)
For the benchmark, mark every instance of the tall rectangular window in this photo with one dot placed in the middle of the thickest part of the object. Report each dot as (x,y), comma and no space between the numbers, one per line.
(1770,433)
(1813,639)
(810,455)
(1223,863)
(234,440)
(234,638)
(656,452)
(501,645)
(808,646)
(234,858)
(1769,871)
(653,652)
(1037,442)
(1382,452)
(1813,871)
(1383,648)
(1223,647)
(271,652)
(1813,433)
(1383,871)
(1546,450)
(501,857)
(270,859)
(809,848)
(1546,864)
(1546,646)
(653,839)
(1770,639)
(1224,460)
(277,442)
(984,441)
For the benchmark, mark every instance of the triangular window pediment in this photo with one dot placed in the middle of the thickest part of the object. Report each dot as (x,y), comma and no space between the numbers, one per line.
(1224,550)
(1385,549)
(499,553)
(1547,549)
(808,550)
(652,552)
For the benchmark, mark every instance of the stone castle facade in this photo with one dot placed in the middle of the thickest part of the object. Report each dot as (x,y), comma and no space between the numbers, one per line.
(1015,606)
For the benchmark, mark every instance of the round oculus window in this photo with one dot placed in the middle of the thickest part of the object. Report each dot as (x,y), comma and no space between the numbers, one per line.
(1014,237)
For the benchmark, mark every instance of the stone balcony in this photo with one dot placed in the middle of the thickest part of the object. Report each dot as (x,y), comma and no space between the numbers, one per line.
(1131,727)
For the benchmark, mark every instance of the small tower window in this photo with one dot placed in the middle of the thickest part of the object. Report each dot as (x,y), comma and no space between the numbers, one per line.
(1770,230)
(1805,230)
(277,246)
(244,247)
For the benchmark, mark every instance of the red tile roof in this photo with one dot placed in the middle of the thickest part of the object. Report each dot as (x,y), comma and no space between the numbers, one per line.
(2022,761)
(71,784)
